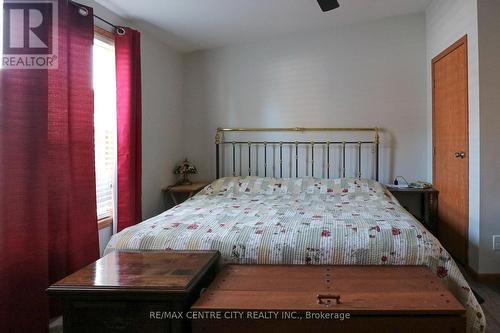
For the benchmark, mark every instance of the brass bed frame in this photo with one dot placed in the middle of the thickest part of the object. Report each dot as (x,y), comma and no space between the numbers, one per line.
(220,141)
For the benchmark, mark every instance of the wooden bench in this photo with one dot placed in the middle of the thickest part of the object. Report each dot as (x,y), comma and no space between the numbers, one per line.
(275,298)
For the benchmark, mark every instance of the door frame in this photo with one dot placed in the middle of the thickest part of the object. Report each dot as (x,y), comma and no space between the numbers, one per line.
(461,42)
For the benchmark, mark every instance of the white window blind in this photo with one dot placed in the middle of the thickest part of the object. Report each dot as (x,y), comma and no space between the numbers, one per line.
(104,82)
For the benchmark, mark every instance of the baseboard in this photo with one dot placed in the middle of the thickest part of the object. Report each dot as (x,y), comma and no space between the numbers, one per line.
(483,277)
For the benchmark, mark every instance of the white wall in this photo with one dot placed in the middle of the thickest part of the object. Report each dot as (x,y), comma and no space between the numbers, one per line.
(104,236)
(364,75)
(162,76)
(446,22)
(489,75)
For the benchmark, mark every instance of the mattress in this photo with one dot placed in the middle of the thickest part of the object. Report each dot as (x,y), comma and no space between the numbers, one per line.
(346,221)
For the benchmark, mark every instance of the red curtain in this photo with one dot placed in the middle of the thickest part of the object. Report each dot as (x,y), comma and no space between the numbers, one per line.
(129,123)
(48,225)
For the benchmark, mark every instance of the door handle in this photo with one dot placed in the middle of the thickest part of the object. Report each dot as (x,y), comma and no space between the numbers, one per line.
(460,154)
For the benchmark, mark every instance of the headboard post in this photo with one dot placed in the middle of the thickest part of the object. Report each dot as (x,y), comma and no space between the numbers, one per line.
(377,142)
(217,175)
(218,141)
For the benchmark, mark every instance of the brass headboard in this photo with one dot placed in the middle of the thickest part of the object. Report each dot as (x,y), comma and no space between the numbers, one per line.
(343,144)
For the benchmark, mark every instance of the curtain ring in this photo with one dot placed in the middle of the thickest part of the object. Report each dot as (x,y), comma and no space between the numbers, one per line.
(120,31)
(83,11)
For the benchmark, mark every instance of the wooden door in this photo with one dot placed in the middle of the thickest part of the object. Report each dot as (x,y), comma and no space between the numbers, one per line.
(450,147)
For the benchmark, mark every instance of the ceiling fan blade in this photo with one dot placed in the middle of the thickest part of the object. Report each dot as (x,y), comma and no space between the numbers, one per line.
(327,5)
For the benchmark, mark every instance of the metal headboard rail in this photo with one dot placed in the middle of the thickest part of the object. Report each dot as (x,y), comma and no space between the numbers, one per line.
(219,140)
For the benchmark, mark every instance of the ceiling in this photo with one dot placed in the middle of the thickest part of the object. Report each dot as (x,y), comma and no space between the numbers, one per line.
(190,25)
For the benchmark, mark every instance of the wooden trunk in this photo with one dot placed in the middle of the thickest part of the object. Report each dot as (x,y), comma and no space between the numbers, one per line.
(269,298)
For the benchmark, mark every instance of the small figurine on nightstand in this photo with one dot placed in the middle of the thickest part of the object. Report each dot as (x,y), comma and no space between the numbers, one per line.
(185,168)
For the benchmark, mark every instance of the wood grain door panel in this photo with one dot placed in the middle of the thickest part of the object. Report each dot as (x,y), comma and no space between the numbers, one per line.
(450,137)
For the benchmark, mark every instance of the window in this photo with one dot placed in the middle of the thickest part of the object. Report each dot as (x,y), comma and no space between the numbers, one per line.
(104,81)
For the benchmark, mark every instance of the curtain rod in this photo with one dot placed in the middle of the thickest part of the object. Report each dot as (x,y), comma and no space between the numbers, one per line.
(82,10)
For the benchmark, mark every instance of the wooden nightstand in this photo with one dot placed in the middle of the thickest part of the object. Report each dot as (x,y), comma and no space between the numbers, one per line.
(134,291)
(421,203)
(187,190)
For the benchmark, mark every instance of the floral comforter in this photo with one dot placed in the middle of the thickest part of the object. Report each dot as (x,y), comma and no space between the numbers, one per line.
(346,221)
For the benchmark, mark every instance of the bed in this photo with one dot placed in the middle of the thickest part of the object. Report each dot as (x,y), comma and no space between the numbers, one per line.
(302,220)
